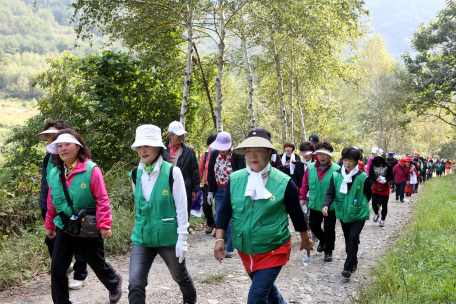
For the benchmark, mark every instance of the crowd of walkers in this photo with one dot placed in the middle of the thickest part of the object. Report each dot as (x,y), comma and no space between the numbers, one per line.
(255,191)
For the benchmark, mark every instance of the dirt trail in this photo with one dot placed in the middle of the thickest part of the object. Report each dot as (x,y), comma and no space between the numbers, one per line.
(319,283)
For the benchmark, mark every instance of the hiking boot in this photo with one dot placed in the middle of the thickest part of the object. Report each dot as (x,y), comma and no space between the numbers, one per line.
(402,201)
(346,274)
(209,229)
(321,247)
(328,257)
(375,218)
(229,254)
(382,224)
(115,295)
(77,284)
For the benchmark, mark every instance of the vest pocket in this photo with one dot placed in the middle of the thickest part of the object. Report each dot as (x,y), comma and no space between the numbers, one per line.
(268,232)
(355,213)
(167,232)
(312,184)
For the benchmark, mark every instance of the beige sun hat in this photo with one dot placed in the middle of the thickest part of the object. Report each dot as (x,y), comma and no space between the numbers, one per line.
(148,135)
(255,139)
(43,135)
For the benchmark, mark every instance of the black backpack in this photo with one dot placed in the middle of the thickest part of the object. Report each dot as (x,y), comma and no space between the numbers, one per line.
(171,178)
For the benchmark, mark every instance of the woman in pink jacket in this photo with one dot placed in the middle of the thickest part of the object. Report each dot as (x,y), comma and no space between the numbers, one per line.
(85,185)
(401,178)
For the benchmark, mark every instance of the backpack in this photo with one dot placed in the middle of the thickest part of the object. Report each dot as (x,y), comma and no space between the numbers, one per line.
(171,178)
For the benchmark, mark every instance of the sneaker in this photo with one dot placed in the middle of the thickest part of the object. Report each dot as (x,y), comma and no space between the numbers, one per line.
(321,247)
(209,229)
(328,257)
(375,218)
(346,274)
(77,284)
(397,198)
(382,224)
(229,254)
(115,295)
(402,201)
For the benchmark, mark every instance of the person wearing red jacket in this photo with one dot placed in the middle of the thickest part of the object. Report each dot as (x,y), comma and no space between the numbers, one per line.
(203,167)
(401,178)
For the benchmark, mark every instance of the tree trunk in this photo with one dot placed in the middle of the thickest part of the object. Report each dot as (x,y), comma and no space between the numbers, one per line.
(301,117)
(248,71)
(206,86)
(381,124)
(280,88)
(220,66)
(291,100)
(188,69)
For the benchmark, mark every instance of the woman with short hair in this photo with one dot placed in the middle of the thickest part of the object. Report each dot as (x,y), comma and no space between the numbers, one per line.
(289,160)
(350,192)
(258,200)
(380,175)
(86,188)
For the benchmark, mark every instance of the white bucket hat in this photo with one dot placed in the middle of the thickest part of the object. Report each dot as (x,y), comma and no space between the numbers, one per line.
(374,150)
(176,128)
(63,138)
(43,135)
(147,135)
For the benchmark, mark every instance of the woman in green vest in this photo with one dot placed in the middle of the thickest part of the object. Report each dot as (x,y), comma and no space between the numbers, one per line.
(258,202)
(80,264)
(85,186)
(350,192)
(161,219)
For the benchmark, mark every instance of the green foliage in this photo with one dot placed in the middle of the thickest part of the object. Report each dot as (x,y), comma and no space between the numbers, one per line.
(420,267)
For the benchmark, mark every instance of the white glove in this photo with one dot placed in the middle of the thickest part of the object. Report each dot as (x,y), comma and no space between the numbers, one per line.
(210,197)
(181,247)
(382,180)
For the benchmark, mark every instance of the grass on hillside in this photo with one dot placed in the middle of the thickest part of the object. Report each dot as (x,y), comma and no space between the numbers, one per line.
(421,267)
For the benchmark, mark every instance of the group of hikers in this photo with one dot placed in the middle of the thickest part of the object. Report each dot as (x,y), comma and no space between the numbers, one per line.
(255,191)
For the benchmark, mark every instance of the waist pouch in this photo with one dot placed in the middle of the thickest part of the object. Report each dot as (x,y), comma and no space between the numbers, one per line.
(82,224)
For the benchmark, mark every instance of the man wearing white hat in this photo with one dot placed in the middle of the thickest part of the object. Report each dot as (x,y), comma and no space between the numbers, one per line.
(183,156)
(80,265)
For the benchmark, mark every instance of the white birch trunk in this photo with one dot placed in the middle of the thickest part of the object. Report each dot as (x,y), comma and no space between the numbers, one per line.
(291,100)
(280,89)
(248,70)
(188,69)
(301,117)
(220,67)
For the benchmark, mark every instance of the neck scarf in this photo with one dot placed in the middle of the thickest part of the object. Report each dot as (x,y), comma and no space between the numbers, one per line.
(150,168)
(292,158)
(347,179)
(255,187)
(306,163)
(70,169)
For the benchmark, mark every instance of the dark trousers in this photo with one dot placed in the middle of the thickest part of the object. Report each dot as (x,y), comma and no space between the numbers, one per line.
(400,190)
(380,200)
(263,290)
(351,234)
(392,185)
(93,251)
(189,205)
(207,209)
(141,260)
(328,236)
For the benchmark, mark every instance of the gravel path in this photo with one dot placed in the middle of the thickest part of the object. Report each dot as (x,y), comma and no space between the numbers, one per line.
(319,283)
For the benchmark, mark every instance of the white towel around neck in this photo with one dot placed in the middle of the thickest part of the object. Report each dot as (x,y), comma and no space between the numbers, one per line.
(255,186)
(292,158)
(347,179)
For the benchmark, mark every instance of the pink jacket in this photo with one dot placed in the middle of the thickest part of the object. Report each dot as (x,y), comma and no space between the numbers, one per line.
(401,175)
(98,188)
(369,163)
(305,180)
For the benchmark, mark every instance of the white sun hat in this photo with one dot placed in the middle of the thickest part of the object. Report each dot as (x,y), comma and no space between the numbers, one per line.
(43,135)
(176,128)
(374,150)
(148,135)
(63,138)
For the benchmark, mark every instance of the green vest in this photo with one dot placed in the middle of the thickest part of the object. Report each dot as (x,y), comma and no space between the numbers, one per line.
(155,220)
(79,192)
(318,188)
(261,226)
(49,168)
(346,211)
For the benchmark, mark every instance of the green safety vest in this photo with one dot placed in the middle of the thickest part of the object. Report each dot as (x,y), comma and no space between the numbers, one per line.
(156,219)
(261,226)
(345,208)
(79,192)
(318,188)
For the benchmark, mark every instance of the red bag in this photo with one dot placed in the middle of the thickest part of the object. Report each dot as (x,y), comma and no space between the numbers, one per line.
(409,188)
(380,187)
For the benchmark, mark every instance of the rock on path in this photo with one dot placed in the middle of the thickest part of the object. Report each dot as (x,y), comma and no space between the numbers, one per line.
(321,282)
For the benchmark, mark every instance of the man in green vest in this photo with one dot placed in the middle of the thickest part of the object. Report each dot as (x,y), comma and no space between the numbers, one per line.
(349,194)
(316,183)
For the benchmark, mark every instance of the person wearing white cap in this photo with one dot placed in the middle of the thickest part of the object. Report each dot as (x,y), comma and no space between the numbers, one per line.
(80,264)
(161,219)
(86,189)
(183,156)
(316,182)
(374,152)
(222,163)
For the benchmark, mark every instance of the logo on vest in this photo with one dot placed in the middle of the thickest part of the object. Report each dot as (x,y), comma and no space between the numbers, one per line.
(83,186)
(359,187)
(165,192)
(272,198)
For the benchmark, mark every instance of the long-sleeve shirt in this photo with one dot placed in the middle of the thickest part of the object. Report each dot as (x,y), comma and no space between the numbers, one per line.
(305,181)
(179,194)
(44,184)
(203,165)
(401,174)
(98,189)
(331,194)
(369,163)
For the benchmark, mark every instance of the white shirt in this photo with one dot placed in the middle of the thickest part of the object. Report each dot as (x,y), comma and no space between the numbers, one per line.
(179,192)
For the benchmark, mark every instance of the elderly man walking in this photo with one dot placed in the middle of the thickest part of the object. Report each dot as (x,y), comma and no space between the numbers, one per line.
(183,156)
